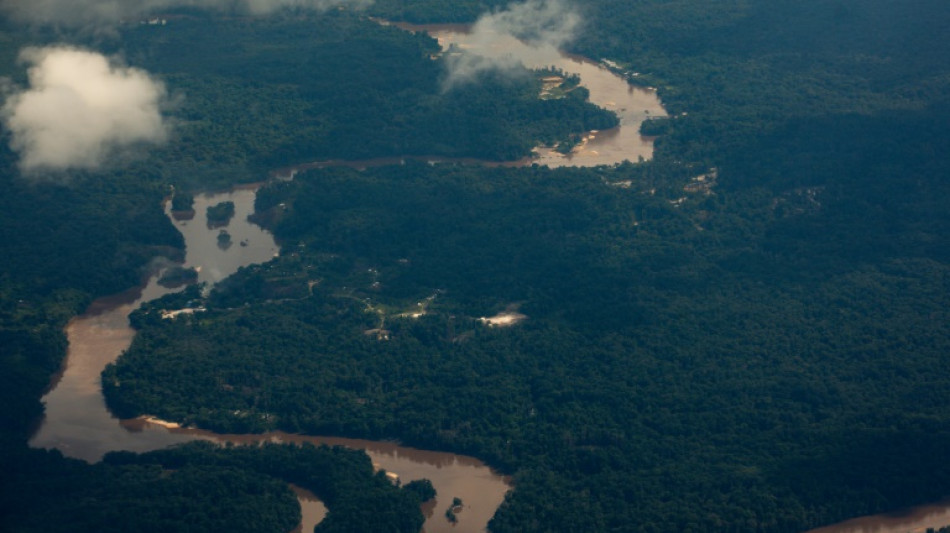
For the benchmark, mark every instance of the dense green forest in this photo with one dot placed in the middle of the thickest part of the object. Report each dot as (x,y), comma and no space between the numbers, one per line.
(66,243)
(262,94)
(63,245)
(660,363)
(202,487)
(762,349)
(282,90)
(359,499)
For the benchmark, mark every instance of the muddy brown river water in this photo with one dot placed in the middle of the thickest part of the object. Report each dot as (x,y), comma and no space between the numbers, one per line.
(78,423)
(632,105)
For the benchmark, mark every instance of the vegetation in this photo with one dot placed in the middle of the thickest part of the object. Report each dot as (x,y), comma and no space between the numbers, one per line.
(669,350)
(220,214)
(431,11)
(267,93)
(182,201)
(454,508)
(177,275)
(143,496)
(278,93)
(655,127)
(422,488)
(62,244)
(201,487)
(357,498)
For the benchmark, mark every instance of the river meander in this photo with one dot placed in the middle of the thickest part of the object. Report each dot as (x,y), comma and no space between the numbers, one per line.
(78,423)
(632,105)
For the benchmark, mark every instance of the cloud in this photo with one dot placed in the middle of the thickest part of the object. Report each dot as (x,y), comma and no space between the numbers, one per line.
(93,13)
(541,26)
(81,109)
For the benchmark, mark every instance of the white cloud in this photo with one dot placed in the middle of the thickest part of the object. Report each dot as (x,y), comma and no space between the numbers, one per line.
(80,109)
(544,26)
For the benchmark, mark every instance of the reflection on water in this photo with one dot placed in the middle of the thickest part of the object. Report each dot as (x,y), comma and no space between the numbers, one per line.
(78,423)
(251,243)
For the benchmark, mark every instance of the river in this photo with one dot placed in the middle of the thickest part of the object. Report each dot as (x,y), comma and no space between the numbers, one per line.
(78,423)
(76,420)
(632,105)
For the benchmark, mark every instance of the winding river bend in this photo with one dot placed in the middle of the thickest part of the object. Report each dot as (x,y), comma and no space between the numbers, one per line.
(78,423)
(608,90)
(632,105)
